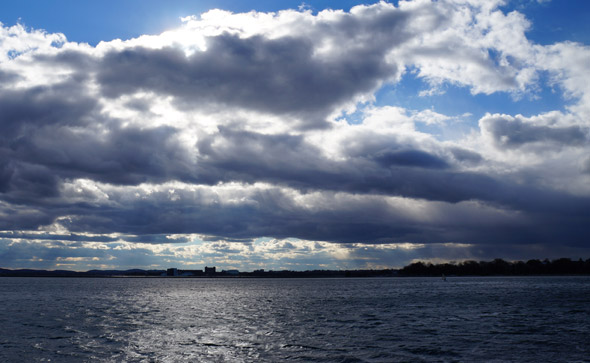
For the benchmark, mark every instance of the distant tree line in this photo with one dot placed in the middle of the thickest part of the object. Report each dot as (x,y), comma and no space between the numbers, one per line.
(562,266)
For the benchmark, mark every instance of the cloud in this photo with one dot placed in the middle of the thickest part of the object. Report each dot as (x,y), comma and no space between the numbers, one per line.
(515,132)
(270,254)
(43,106)
(18,40)
(410,158)
(297,74)
(467,156)
(235,127)
(278,76)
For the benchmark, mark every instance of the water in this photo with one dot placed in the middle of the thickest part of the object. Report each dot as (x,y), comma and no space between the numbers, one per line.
(300,320)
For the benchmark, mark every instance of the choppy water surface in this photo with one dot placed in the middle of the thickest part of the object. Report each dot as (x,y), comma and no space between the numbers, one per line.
(301,320)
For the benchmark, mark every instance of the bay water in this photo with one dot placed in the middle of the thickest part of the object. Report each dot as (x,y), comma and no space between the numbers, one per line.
(463,319)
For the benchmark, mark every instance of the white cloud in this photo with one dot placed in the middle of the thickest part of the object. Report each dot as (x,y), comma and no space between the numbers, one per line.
(16,41)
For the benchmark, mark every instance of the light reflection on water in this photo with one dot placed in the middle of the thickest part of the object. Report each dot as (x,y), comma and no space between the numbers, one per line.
(301,320)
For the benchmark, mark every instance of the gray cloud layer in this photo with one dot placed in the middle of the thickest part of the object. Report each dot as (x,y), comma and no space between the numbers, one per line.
(516,133)
(69,155)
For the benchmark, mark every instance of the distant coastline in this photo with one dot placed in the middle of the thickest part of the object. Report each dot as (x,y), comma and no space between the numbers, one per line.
(497,267)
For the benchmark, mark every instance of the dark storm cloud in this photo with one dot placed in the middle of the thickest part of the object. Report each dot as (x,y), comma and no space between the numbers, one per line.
(57,132)
(25,110)
(80,62)
(466,156)
(73,237)
(252,157)
(277,76)
(274,213)
(154,239)
(410,158)
(24,113)
(249,157)
(216,239)
(119,156)
(27,182)
(8,77)
(514,133)
(237,155)
(56,237)
(245,156)
(23,217)
(131,156)
(280,76)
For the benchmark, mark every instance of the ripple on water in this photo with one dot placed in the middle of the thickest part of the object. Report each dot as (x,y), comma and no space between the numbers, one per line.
(299,320)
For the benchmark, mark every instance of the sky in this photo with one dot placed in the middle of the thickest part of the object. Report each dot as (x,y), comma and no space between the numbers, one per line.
(292,135)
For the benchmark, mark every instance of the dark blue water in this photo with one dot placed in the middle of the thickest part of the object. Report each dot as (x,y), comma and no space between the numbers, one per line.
(529,319)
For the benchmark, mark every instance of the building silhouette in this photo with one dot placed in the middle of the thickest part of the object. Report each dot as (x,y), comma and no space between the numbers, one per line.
(172,272)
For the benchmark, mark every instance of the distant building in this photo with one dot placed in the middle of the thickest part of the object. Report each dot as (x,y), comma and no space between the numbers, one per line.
(172,272)
(209,270)
(231,272)
(192,272)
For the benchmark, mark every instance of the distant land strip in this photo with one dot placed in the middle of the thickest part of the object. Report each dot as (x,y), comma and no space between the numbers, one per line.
(497,267)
